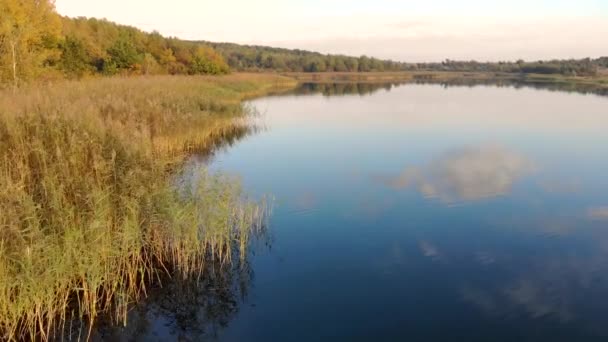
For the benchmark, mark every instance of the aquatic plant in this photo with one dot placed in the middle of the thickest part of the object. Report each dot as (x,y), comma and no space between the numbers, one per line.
(88,213)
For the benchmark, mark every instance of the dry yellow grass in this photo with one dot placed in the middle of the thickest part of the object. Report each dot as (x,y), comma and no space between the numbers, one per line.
(88,213)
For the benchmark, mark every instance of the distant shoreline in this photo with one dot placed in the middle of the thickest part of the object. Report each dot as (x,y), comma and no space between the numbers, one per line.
(440,76)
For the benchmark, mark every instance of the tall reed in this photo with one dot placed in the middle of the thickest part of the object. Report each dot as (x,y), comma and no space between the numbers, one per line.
(88,214)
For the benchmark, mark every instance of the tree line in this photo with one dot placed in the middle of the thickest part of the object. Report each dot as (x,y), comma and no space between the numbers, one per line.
(36,42)
(262,58)
(100,46)
(570,67)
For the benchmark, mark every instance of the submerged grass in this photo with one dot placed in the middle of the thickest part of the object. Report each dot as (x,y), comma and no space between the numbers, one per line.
(88,214)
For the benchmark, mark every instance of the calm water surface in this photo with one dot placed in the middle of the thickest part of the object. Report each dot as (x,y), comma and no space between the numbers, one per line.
(424,213)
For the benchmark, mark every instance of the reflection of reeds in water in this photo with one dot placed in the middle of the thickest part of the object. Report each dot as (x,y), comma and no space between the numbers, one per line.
(188,309)
(89,217)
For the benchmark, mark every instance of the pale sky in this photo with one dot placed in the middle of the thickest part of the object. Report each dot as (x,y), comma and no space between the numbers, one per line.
(411,31)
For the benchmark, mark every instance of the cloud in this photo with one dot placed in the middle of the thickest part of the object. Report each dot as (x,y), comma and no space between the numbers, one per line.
(562,287)
(407,24)
(598,213)
(468,174)
(429,250)
(557,186)
(434,38)
(538,300)
(390,30)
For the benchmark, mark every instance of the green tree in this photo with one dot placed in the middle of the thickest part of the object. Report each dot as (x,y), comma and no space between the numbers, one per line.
(123,53)
(364,64)
(352,64)
(75,61)
(377,65)
(340,65)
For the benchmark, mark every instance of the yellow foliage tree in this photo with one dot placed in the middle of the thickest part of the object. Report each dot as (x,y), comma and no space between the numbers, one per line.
(29,32)
(207,61)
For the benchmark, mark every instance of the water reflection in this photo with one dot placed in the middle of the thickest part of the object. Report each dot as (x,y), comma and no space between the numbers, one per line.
(185,310)
(516,83)
(569,289)
(429,250)
(599,213)
(336,89)
(304,203)
(467,174)
(226,138)
(355,260)
(369,88)
(561,186)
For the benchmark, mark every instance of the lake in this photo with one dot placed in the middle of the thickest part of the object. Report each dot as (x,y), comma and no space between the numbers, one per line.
(417,212)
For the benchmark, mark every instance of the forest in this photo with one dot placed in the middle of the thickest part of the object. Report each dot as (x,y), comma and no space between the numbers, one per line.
(38,43)
(261,58)
(571,67)
(93,217)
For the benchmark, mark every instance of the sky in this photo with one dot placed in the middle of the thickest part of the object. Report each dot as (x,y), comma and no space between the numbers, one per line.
(410,31)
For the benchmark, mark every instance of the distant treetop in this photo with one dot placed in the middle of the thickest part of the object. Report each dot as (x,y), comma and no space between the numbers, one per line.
(36,42)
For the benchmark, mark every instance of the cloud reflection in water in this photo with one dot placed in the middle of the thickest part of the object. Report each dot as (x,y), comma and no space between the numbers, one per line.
(466,174)
(598,213)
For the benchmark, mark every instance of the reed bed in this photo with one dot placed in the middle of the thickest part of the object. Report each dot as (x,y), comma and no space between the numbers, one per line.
(88,213)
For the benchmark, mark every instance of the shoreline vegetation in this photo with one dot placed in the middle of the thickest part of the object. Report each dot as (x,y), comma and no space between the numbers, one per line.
(90,216)
(36,43)
(599,81)
(95,125)
(597,85)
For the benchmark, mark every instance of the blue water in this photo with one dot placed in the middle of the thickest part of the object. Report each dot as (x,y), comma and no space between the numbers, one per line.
(424,213)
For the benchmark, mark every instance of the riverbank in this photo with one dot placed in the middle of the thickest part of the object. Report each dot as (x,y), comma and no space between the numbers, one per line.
(90,216)
(89,213)
(600,82)
(379,77)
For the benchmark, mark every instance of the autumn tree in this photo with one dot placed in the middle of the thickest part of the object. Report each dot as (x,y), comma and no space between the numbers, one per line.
(29,33)
(205,60)
(149,65)
(35,40)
